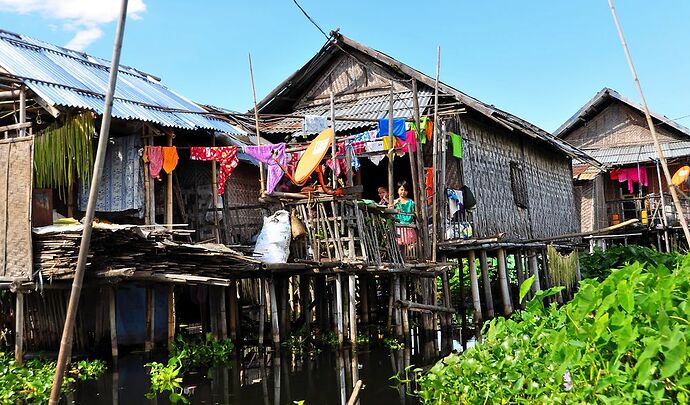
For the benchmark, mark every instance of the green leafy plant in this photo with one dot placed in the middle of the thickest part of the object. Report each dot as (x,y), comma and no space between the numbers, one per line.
(328,338)
(31,382)
(168,378)
(295,342)
(599,264)
(362,339)
(393,343)
(202,350)
(623,340)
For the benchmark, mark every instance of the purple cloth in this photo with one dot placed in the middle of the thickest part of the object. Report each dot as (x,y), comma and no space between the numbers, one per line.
(269,154)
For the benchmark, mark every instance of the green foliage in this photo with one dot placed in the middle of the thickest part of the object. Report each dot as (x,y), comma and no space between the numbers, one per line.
(393,343)
(31,382)
(202,350)
(295,342)
(328,338)
(624,340)
(63,153)
(185,353)
(599,264)
(362,339)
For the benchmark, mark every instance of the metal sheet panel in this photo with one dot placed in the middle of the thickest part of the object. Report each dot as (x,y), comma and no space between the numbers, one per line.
(624,155)
(67,78)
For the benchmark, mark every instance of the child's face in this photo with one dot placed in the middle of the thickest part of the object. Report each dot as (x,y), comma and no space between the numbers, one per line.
(402,192)
(383,193)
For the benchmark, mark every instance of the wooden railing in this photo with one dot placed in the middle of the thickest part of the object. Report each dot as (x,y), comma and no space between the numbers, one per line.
(344,230)
(648,209)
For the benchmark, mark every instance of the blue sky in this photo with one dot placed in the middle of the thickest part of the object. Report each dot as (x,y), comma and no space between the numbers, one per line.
(540,60)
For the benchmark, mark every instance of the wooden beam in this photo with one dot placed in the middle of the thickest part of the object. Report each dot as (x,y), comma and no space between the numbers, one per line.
(150,316)
(503,281)
(474,285)
(274,313)
(171,316)
(413,305)
(112,315)
(19,328)
(486,281)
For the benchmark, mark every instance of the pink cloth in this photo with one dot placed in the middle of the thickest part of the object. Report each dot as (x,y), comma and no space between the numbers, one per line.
(226,156)
(631,175)
(273,156)
(155,156)
(410,144)
(341,164)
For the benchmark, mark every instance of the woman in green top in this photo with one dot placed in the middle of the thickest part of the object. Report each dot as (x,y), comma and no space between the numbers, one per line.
(404,204)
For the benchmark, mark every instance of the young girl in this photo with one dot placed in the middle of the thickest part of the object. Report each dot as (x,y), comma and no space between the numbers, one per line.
(404,204)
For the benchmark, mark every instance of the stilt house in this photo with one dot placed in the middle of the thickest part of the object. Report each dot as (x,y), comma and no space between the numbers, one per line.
(483,179)
(613,130)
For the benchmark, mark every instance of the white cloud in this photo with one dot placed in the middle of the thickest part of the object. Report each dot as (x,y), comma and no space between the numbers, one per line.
(82,16)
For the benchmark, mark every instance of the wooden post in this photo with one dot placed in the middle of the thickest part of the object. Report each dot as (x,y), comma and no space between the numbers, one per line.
(519,268)
(334,178)
(446,298)
(391,150)
(486,281)
(262,312)
(19,328)
(169,190)
(222,315)
(150,316)
(233,313)
(434,204)
(171,316)
(112,316)
(405,312)
(262,176)
(534,270)
(339,308)
(305,298)
(474,284)
(461,278)
(364,300)
(213,310)
(352,310)
(147,180)
(503,281)
(214,196)
(321,305)
(421,203)
(274,313)
(284,306)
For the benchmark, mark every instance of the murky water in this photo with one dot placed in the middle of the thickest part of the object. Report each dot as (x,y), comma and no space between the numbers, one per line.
(264,378)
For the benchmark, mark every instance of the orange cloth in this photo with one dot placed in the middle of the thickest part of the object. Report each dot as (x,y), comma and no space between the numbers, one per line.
(429,130)
(170,158)
(429,184)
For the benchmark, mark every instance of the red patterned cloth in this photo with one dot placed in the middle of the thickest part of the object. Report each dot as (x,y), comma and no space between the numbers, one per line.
(155,157)
(358,147)
(293,159)
(226,156)
(341,164)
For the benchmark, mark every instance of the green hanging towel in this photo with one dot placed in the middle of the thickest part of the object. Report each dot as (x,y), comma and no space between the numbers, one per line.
(456,140)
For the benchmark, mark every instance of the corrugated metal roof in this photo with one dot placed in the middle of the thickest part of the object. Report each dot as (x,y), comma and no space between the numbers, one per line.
(585,172)
(368,107)
(624,155)
(67,78)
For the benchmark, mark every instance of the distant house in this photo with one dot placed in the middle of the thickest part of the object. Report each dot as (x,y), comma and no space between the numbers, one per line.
(613,130)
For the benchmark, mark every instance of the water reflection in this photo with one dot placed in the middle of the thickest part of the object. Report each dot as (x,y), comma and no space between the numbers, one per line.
(263,377)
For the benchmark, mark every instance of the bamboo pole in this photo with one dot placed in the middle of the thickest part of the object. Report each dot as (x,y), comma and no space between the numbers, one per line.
(519,268)
(503,281)
(233,311)
(150,316)
(222,314)
(274,313)
(169,187)
(66,341)
(147,180)
(214,195)
(648,116)
(434,204)
(422,202)
(334,178)
(391,150)
(22,110)
(19,328)
(112,317)
(262,176)
(486,281)
(305,299)
(352,310)
(474,285)
(339,308)
(171,316)
(664,220)
(262,312)
(534,270)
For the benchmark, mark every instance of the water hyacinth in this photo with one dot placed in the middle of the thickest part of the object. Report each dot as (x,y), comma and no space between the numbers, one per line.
(623,340)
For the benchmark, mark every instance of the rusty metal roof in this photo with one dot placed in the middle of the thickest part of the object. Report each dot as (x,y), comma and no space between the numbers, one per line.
(66,78)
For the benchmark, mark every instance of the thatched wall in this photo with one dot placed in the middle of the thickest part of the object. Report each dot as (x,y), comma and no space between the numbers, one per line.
(486,165)
(616,125)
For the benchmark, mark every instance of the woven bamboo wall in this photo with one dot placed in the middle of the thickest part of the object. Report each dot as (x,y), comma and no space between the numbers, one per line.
(583,200)
(616,125)
(488,152)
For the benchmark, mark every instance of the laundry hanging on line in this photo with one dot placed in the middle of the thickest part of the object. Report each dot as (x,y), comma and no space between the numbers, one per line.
(313,124)
(456,141)
(398,128)
(170,158)
(226,156)
(271,155)
(631,175)
(154,156)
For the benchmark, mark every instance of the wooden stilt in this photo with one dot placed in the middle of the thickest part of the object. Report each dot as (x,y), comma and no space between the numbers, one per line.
(405,312)
(262,311)
(474,285)
(169,188)
(339,308)
(519,269)
(486,281)
(321,305)
(461,278)
(284,306)
(427,318)
(352,310)
(364,301)
(397,318)
(446,298)
(346,308)
(274,313)
(305,299)
(503,281)
(534,270)
(171,315)
(19,328)
(213,310)
(233,312)
(150,316)
(112,316)
(222,314)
